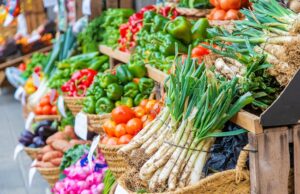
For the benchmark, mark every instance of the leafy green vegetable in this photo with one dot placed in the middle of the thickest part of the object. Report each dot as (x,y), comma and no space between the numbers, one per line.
(69,120)
(108,181)
(37,59)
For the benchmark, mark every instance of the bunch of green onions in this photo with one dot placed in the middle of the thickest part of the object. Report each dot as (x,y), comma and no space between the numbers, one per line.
(177,142)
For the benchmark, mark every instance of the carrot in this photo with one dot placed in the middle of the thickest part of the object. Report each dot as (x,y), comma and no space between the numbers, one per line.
(77,141)
(46,149)
(60,145)
(69,131)
(58,135)
(51,155)
(56,161)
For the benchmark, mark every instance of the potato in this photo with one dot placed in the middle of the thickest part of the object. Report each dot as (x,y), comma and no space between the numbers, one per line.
(52,155)
(46,149)
(44,165)
(69,130)
(74,142)
(57,135)
(61,145)
(56,161)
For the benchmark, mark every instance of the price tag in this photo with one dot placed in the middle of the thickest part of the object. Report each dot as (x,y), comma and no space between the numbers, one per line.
(120,190)
(18,93)
(32,172)
(34,38)
(81,125)
(36,79)
(61,106)
(29,120)
(92,150)
(52,95)
(18,149)
(86,7)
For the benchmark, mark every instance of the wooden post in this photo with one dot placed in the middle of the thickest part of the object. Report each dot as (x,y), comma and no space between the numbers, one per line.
(296,138)
(270,165)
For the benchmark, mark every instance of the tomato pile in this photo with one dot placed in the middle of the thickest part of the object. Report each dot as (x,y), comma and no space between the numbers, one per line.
(47,106)
(127,122)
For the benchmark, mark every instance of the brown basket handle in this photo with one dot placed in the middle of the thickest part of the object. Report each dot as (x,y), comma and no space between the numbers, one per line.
(241,164)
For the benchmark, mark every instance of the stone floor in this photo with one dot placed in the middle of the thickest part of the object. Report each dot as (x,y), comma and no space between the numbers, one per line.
(14,173)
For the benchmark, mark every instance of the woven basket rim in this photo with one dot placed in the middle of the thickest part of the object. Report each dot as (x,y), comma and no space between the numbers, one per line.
(47,117)
(73,98)
(112,147)
(32,149)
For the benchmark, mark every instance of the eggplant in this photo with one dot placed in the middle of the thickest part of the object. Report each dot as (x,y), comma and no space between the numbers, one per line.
(32,145)
(42,124)
(45,132)
(38,141)
(25,141)
(27,134)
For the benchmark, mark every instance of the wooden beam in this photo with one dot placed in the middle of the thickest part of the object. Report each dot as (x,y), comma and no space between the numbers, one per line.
(253,164)
(296,138)
(116,54)
(248,121)
(156,74)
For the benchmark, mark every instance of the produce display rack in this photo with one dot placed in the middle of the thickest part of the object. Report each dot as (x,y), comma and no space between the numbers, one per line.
(271,169)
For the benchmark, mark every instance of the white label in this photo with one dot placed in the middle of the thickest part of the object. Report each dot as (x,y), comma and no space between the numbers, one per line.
(81,125)
(49,3)
(34,38)
(18,149)
(36,79)
(32,172)
(23,98)
(61,106)
(18,93)
(86,7)
(29,120)
(120,190)
(92,150)
(52,96)
(8,19)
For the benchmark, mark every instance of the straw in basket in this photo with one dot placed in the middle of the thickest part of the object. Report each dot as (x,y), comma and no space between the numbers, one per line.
(47,117)
(51,175)
(95,122)
(75,104)
(32,152)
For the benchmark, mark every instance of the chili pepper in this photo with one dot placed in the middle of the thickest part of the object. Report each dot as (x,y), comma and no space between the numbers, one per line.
(146,85)
(159,23)
(131,89)
(97,65)
(114,91)
(137,69)
(123,74)
(107,79)
(199,29)
(180,28)
(138,99)
(104,105)
(89,105)
(125,101)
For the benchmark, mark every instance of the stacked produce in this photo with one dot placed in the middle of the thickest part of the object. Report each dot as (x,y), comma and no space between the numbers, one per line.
(227,9)
(199,4)
(127,122)
(51,155)
(37,60)
(47,106)
(171,151)
(157,39)
(40,131)
(108,181)
(82,177)
(113,20)
(130,30)
(127,87)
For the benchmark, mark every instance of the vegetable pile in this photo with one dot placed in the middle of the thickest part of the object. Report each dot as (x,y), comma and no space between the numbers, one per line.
(126,123)
(47,106)
(41,131)
(80,178)
(37,60)
(109,91)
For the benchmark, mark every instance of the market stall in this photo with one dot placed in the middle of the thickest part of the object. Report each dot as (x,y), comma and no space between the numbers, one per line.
(177,97)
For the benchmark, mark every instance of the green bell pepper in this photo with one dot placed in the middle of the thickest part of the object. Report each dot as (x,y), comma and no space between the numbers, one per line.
(104,67)
(199,29)
(159,23)
(104,105)
(137,69)
(180,28)
(125,101)
(99,61)
(169,44)
(123,74)
(99,92)
(148,19)
(89,104)
(114,91)
(107,79)
(138,99)
(131,89)
(146,85)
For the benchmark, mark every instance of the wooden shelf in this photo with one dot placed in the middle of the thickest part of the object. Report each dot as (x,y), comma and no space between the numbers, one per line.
(116,54)
(248,121)
(156,74)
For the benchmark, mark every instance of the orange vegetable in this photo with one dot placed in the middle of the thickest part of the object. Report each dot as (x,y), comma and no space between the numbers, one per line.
(51,155)
(136,80)
(45,101)
(219,15)
(232,14)
(109,127)
(38,110)
(122,114)
(46,110)
(56,161)
(144,103)
(230,4)
(139,111)
(125,139)
(112,141)
(149,106)
(60,145)
(54,110)
(105,140)
(215,3)
(134,126)
(120,130)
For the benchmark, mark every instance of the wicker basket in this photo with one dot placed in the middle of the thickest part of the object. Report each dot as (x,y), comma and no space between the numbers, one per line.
(115,162)
(95,122)
(47,117)
(236,181)
(51,175)
(32,152)
(74,104)
(193,13)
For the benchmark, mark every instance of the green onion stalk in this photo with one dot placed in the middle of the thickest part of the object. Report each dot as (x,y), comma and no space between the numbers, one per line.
(176,142)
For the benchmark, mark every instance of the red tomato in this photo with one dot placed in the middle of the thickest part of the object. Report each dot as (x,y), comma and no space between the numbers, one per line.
(38,110)
(109,127)
(112,141)
(150,105)
(199,51)
(144,103)
(105,140)
(46,110)
(134,126)
(125,139)
(147,121)
(232,14)
(120,130)
(45,101)
(230,4)
(139,111)
(54,110)
(22,67)
(219,15)
(122,114)
(215,3)
(136,80)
